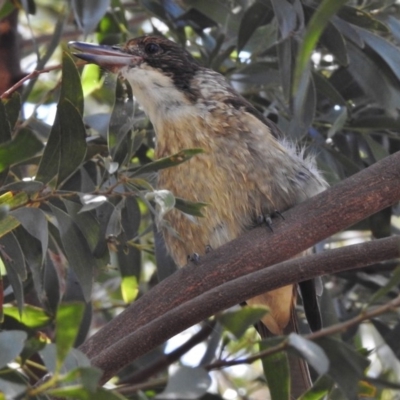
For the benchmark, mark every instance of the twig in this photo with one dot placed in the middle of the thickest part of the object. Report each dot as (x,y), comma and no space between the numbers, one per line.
(338,328)
(167,359)
(32,75)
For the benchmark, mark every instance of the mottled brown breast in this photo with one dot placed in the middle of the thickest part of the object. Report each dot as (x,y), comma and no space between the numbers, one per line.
(211,178)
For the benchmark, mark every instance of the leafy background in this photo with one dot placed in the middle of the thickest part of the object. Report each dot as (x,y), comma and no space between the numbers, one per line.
(78,202)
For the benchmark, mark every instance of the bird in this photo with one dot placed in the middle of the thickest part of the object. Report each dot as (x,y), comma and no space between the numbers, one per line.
(247,170)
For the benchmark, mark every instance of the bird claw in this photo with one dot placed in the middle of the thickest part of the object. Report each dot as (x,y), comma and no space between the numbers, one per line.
(267,219)
(194,258)
(277,213)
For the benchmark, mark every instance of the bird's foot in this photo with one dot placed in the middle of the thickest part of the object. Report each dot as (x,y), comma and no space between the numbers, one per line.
(267,219)
(194,258)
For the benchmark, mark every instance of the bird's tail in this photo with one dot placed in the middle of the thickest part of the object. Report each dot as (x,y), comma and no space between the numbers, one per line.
(300,379)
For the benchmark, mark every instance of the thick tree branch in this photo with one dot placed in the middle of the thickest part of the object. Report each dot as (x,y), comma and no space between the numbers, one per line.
(350,201)
(115,357)
(334,329)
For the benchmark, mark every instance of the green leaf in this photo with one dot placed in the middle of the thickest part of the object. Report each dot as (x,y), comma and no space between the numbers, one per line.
(346,366)
(72,141)
(71,88)
(86,222)
(258,72)
(7,8)
(66,146)
(7,224)
(11,345)
(89,13)
(186,383)
(259,13)
(319,390)
(12,255)
(339,122)
(237,322)
(314,355)
(50,161)
(129,288)
(285,50)
(32,346)
(348,163)
(389,52)
(373,79)
(324,86)
(13,200)
(77,250)
(218,11)
(137,139)
(286,16)
(303,108)
(357,16)
(5,126)
(31,316)
(378,151)
(24,146)
(68,318)
(167,162)
(130,217)
(377,122)
(29,187)
(189,207)
(393,282)
(13,108)
(15,280)
(35,222)
(13,384)
(347,30)
(88,377)
(119,137)
(74,359)
(114,226)
(276,370)
(316,26)
(333,39)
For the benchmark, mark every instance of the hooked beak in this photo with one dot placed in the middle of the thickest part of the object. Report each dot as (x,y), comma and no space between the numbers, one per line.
(112,58)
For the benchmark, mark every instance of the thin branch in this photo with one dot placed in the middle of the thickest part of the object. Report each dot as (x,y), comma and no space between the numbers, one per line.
(167,359)
(143,325)
(337,328)
(33,75)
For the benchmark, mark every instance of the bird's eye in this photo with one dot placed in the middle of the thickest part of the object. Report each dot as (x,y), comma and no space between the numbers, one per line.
(151,48)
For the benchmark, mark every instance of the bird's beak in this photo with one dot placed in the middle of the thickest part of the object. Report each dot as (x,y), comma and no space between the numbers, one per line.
(112,58)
